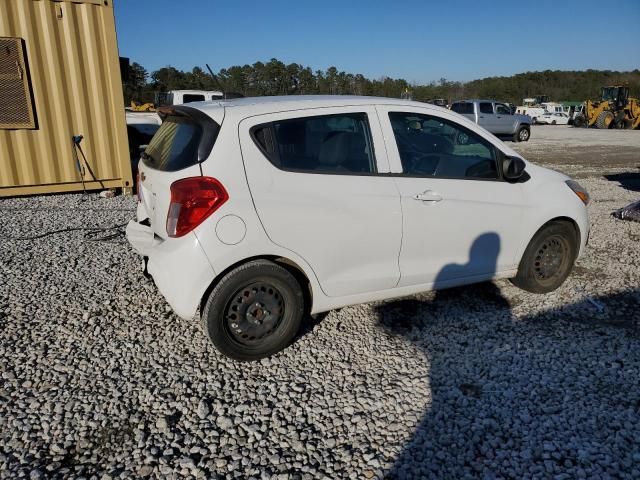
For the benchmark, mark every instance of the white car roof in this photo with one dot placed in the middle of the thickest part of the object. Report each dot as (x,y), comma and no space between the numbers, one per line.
(260,105)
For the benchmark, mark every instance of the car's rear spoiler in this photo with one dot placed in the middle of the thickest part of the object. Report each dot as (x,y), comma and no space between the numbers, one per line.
(209,126)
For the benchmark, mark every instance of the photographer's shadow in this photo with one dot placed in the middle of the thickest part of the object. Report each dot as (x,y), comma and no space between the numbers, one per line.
(504,400)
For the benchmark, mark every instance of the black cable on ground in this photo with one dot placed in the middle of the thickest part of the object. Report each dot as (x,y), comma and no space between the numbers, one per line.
(90,235)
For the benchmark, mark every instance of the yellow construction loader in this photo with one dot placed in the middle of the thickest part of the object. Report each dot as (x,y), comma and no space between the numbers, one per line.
(138,107)
(615,109)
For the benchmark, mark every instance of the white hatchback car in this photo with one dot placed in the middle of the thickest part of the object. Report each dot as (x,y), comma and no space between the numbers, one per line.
(256,211)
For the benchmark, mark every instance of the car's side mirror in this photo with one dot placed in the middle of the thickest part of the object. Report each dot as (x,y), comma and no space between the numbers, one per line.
(513,168)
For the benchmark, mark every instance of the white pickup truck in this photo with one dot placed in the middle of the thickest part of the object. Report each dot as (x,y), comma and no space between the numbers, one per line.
(179,97)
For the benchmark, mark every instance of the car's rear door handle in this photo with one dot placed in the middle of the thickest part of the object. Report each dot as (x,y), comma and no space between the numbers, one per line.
(428,196)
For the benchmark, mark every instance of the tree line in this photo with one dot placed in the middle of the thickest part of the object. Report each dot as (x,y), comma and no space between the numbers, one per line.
(277,78)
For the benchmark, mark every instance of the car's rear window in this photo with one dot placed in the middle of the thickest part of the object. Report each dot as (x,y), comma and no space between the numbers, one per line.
(462,108)
(175,145)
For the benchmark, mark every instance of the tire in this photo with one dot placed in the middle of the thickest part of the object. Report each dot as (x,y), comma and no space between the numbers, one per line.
(534,120)
(553,122)
(254,311)
(522,135)
(548,259)
(605,120)
(579,121)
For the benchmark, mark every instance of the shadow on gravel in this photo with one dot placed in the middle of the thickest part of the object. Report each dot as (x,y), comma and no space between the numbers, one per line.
(555,394)
(628,180)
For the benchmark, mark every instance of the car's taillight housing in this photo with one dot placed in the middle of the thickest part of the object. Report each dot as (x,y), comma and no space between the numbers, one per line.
(193,200)
(138,191)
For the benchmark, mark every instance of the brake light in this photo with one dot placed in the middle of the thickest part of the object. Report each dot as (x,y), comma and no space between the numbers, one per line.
(193,200)
(138,192)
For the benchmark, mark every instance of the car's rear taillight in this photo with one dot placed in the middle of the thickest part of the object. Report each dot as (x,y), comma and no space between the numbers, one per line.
(193,200)
(138,192)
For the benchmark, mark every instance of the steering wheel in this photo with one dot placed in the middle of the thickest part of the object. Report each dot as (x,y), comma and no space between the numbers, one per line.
(425,163)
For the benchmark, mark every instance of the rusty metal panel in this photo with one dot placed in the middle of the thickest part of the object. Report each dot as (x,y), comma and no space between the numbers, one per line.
(71,55)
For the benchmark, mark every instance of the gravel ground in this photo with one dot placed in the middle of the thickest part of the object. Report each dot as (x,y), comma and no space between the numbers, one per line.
(582,152)
(98,379)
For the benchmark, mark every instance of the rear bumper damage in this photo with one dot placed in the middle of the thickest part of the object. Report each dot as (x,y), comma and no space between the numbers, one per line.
(179,267)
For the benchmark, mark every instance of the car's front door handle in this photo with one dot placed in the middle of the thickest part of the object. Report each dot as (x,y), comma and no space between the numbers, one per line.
(428,196)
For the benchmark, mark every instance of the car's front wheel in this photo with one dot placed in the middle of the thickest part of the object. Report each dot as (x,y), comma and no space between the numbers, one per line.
(548,259)
(254,311)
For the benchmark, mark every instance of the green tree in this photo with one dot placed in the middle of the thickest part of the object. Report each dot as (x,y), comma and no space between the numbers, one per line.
(134,87)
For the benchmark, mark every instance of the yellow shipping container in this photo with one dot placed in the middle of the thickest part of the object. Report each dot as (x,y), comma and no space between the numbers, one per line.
(59,79)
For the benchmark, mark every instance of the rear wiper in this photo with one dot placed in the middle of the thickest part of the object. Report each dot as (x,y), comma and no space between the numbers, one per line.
(146,156)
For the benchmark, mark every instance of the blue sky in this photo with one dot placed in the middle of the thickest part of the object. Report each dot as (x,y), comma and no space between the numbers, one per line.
(416,40)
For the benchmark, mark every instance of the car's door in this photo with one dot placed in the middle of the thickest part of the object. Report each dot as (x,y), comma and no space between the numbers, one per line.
(315,180)
(486,117)
(461,221)
(505,121)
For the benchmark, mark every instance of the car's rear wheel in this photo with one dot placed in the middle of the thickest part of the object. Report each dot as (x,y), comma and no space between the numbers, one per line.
(522,135)
(548,259)
(254,311)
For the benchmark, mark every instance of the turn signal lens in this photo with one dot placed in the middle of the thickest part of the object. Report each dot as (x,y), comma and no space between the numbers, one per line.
(193,200)
(579,190)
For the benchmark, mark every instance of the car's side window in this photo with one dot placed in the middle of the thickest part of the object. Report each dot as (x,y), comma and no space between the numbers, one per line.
(502,110)
(435,147)
(322,144)
(486,107)
(463,108)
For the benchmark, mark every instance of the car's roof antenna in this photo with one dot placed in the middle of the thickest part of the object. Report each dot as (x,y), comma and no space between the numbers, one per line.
(225,95)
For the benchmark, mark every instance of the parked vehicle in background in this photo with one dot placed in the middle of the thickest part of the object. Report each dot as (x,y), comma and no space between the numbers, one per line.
(615,109)
(496,117)
(535,100)
(257,210)
(179,97)
(538,110)
(554,119)
(440,102)
(141,127)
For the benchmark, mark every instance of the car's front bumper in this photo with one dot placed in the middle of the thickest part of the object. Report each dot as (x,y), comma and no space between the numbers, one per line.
(179,267)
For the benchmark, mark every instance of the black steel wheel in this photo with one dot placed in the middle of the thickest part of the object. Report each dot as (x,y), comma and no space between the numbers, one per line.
(254,311)
(548,259)
(551,259)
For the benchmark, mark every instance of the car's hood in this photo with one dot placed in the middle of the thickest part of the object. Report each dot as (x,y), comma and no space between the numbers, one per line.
(545,173)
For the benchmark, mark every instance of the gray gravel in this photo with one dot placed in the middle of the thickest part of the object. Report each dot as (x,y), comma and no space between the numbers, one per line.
(98,379)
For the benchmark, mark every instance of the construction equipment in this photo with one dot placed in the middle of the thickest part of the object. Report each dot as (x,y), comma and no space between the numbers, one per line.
(615,109)
(140,107)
